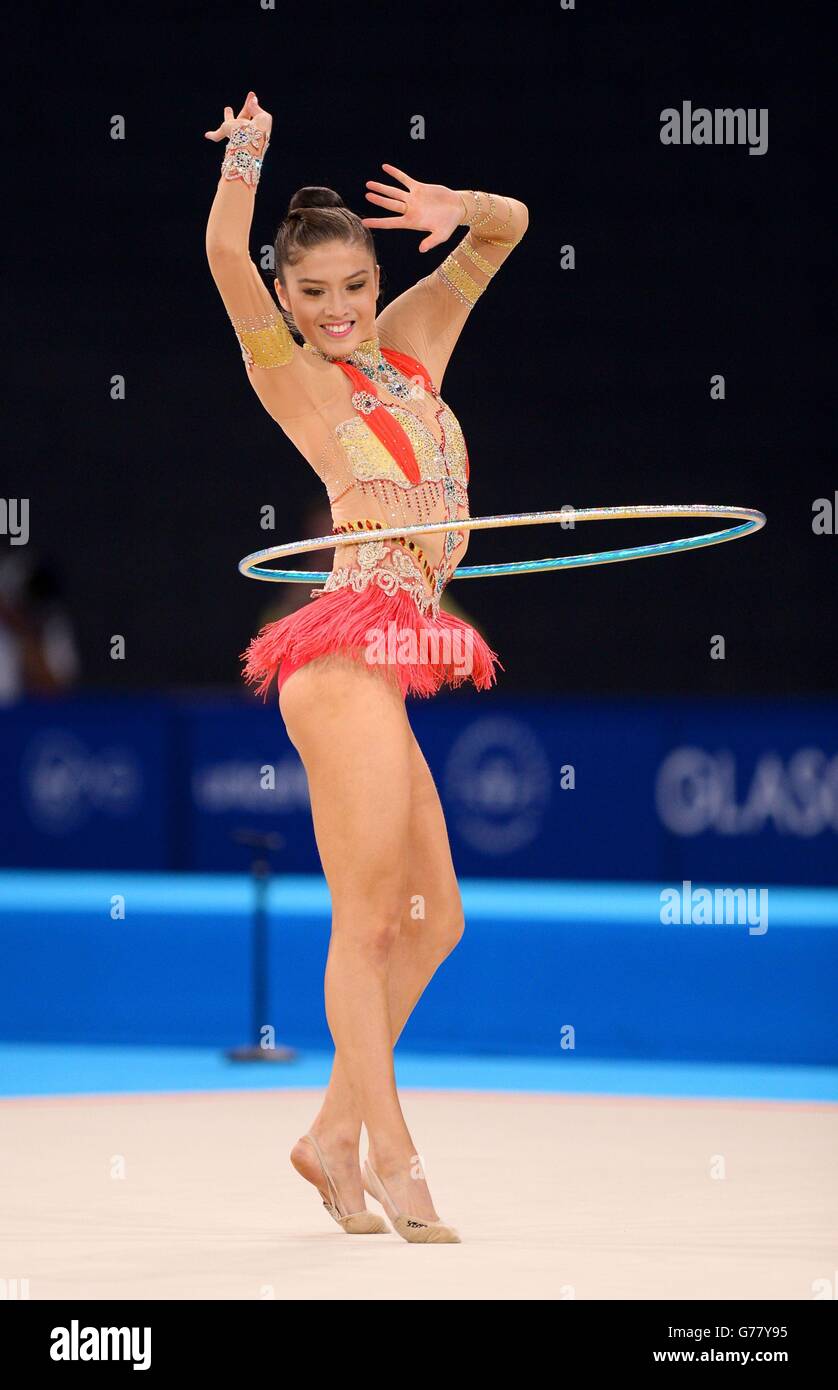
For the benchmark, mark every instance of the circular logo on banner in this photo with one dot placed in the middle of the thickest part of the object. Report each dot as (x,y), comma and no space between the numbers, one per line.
(498,785)
(64,781)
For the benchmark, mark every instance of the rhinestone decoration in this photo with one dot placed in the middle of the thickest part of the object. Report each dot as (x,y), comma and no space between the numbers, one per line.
(370,552)
(267,345)
(247,135)
(368,524)
(370,360)
(401,564)
(452,540)
(459,281)
(365,402)
(401,574)
(242,165)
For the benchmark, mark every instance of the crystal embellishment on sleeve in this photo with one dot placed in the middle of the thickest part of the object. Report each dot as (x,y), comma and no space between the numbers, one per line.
(264,340)
(459,281)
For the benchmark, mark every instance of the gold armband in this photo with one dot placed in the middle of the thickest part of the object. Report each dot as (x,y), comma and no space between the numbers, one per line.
(480,261)
(459,280)
(493,241)
(457,277)
(264,340)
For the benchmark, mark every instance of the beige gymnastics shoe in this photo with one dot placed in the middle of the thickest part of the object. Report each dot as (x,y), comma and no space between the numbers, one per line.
(410,1228)
(356,1223)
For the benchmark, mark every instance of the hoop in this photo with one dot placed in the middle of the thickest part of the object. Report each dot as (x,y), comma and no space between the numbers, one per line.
(251,565)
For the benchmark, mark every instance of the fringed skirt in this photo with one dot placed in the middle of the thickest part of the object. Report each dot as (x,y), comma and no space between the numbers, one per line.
(387,632)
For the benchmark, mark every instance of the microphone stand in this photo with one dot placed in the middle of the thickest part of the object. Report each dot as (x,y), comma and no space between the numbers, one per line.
(260,868)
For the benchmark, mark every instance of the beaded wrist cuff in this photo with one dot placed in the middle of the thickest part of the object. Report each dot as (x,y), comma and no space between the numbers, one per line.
(251,135)
(242,165)
(245,154)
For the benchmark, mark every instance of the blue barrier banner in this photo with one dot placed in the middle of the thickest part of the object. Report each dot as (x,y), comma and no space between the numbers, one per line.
(738,792)
(243,774)
(86,783)
(538,790)
(748,791)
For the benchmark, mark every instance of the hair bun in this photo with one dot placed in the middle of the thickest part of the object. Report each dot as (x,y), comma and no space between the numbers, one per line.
(314,197)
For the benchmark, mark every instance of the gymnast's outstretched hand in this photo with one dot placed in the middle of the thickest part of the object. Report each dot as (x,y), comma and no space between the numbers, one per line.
(251,111)
(422,207)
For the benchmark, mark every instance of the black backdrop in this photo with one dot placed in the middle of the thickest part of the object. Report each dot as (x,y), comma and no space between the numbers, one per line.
(690,262)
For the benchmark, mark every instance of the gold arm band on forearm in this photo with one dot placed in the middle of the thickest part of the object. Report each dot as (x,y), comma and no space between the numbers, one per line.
(480,261)
(457,277)
(493,241)
(459,281)
(265,340)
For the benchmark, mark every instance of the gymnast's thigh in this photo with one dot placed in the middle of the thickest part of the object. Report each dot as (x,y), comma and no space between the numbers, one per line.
(434,904)
(350,728)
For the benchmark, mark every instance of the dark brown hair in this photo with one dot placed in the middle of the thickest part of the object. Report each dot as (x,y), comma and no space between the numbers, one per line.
(316,215)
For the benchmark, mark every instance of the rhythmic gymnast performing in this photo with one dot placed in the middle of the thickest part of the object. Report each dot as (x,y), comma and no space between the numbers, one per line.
(360,398)
(358,392)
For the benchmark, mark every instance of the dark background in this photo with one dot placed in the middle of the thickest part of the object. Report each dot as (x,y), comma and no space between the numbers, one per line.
(588,388)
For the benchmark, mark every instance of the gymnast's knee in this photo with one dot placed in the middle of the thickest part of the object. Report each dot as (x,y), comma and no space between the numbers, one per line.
(371,927)
(440,933)
(453,929)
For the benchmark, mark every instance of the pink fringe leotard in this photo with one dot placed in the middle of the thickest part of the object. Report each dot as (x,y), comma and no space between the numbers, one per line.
(380,604)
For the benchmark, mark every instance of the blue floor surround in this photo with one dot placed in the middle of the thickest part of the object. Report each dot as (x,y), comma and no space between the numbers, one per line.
(47,1069)
(130,982)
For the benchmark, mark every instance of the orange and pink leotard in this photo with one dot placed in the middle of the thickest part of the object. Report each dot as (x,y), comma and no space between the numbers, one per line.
(390,453)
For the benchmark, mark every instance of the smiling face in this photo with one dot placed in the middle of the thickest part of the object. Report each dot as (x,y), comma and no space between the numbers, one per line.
(332,292)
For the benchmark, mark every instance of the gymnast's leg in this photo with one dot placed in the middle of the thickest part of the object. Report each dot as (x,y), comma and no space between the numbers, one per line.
(431,926)
(396,909)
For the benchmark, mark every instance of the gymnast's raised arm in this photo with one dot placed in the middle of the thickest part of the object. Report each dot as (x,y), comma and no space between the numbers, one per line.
(428,319)
(277,367)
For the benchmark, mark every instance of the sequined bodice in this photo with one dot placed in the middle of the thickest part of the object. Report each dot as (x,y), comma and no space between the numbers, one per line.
(365,482)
